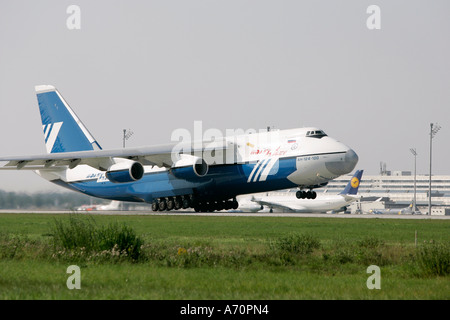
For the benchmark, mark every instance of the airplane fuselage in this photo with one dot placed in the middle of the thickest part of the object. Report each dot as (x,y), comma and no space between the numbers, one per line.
(260,162)
(320,204)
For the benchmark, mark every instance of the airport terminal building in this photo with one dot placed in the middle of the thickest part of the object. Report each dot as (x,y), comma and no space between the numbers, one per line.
(399,187)
(396,189)
(393,189)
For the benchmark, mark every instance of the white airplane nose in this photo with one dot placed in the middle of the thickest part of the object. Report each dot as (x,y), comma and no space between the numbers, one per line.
(346,165)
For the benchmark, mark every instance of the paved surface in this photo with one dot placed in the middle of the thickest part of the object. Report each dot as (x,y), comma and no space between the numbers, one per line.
(238,214)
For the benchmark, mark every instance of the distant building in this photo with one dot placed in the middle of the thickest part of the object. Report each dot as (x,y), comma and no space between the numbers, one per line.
(392,189)
(398,186)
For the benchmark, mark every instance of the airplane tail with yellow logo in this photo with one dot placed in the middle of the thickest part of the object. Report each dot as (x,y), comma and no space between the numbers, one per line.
(353,184)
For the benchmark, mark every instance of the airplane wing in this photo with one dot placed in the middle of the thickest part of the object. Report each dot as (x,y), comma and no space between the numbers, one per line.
(273,205)
(159,155)
(349,198)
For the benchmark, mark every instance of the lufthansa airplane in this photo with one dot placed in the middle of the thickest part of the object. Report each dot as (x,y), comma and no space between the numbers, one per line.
(204,175)
(405,211)
(323,203)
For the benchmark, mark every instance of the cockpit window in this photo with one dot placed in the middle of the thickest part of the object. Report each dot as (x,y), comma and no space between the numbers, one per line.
(315,134)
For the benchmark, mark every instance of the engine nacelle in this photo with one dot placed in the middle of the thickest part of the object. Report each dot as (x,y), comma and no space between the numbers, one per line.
(190,167)
(125,171)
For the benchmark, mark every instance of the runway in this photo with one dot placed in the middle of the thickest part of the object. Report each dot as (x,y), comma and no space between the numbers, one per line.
(234,214)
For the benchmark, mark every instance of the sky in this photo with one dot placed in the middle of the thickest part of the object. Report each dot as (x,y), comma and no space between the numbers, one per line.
(157,66)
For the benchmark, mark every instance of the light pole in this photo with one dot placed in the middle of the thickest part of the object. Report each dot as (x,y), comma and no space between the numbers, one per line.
(413,151)
(434,128)
(126,135)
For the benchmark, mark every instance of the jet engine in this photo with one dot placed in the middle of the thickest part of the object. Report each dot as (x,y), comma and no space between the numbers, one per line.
(125,171)
(190,167)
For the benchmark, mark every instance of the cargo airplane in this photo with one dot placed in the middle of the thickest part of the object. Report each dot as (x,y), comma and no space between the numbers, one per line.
(204,175)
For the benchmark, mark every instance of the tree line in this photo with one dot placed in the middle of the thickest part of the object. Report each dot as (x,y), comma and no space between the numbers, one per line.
(41,200)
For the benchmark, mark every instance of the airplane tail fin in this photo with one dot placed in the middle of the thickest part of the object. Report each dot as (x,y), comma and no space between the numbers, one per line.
(353,184)
(63,130)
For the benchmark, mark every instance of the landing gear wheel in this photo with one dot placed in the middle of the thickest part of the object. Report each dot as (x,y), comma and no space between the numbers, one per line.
(170,204)
(178,203)
(221,205)
(162,205)
(306,194)
(228,205)
(155,206)
(210,207)
(186,203)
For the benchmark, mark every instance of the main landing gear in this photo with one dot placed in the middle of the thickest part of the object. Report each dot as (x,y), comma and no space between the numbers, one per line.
(306,194)
(188,201)
(170,203)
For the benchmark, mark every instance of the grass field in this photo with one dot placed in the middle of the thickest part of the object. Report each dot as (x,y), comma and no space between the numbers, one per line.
(192,257)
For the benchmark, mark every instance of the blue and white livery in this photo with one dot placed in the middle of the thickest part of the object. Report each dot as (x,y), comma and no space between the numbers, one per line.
(205,175)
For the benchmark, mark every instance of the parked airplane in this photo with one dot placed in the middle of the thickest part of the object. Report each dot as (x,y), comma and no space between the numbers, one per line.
(323,203)
(113,205)
(205,175)
(246,204)
(406,210)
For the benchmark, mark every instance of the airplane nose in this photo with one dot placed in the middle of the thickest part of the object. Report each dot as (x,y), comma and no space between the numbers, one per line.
(346,165)
(351,158)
